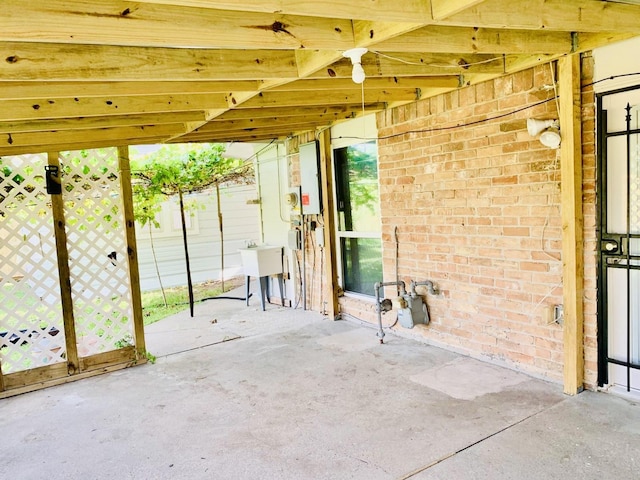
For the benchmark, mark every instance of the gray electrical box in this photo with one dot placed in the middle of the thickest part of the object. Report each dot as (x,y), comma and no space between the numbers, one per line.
(310,178)
(294,239)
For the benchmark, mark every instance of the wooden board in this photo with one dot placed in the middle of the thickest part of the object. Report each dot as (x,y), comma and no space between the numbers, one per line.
(572,223)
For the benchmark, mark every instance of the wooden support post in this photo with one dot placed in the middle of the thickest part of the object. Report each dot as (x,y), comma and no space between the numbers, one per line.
(60,230)
(572,222)
(132,255)
(330,274)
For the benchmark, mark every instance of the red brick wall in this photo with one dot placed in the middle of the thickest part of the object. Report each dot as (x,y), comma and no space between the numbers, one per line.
(477,206)
(476,201)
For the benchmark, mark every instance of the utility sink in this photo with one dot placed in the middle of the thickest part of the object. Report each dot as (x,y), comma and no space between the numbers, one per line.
(261,261)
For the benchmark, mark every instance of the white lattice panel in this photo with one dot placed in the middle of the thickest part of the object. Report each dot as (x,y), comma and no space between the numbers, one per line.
(31,325)
(97,250)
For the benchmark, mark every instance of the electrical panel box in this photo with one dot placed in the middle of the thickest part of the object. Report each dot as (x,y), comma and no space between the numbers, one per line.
(310,179)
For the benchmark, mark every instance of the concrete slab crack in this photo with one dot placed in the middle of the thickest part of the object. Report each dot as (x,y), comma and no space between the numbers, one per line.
(467,447)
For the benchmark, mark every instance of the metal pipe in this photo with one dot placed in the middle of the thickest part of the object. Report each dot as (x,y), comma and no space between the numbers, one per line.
(377,287)
(428,283)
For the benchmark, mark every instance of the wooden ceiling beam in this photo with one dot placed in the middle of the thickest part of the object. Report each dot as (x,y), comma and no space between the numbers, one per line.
(152,25)
(383,10)
(310,61)
(269,122)
(241,135)
(336,97)
(296,111)
(111,121)
(80,124)
(443,39)
(450,81)
(23,61)
(82,107)
(403,64)
(58,147)
(250,137)
(70,89)
(550,15)
(368,33)
(445,8)
(90,136)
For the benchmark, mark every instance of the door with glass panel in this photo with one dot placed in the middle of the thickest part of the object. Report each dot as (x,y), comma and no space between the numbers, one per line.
(619,239)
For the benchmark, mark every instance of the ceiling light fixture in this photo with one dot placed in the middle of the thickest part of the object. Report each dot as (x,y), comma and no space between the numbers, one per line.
(549,131)
(355,55)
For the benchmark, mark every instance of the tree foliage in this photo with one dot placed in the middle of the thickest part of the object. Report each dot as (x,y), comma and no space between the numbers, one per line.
(178,170)
(189,169)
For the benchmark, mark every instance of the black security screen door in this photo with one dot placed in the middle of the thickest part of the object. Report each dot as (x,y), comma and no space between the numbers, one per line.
(619,239)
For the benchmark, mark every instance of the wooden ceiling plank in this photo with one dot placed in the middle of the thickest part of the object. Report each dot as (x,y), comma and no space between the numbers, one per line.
(71,136)
(376,83)
(271,121)
(295,111)
(590,41)
(550,15)
(445,8)
(402,64)
(151,25)
(59,147)
(310,61)
(368,33)
(234,135)
(384,10)
(275,129)
(444,39)
(70,108)
(36,61)
(62,89)
(75,124)
(522,62)
(273,99)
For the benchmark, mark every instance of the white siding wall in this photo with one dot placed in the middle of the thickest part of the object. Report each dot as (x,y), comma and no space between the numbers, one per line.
(617,59)
(241,224)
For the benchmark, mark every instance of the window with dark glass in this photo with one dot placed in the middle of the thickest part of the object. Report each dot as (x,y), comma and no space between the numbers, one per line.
(358,216)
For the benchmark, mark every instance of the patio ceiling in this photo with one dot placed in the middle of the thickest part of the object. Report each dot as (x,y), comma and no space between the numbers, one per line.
(92,73)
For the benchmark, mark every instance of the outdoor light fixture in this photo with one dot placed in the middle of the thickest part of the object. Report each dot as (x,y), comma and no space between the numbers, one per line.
(355,55)
(549,131)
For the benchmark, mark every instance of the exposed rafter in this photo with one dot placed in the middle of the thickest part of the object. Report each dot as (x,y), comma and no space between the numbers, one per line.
(206,70)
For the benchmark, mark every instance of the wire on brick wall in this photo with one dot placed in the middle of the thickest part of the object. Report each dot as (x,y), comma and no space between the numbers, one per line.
(485,120)
(535,309)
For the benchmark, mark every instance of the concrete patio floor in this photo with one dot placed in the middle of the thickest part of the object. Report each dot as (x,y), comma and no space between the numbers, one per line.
(238,393)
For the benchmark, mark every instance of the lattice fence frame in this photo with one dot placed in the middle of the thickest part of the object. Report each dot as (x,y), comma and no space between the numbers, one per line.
(127,352)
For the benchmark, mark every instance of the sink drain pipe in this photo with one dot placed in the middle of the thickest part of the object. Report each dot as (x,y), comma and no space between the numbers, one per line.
(379,307)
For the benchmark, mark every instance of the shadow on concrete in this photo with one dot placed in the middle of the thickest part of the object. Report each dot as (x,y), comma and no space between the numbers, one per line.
(298,396)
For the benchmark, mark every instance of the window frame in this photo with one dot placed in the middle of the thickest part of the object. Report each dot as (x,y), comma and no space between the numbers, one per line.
(343,234)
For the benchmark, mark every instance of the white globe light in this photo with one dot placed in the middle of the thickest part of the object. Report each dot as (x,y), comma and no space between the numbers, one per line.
(357,74)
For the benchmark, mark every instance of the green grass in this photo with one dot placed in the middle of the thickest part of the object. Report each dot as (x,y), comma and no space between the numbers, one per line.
(153,309)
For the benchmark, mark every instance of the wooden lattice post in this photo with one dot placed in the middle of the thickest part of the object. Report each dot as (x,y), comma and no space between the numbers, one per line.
(134,276)
(64,274)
